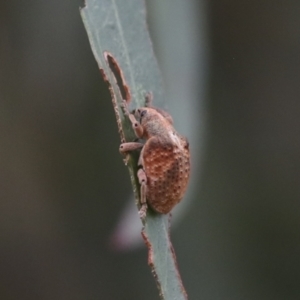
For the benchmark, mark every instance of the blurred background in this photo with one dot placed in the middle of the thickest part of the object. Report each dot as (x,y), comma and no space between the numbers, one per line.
(63,183)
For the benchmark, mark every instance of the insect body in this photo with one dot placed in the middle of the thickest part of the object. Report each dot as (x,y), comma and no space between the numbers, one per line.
(164,159)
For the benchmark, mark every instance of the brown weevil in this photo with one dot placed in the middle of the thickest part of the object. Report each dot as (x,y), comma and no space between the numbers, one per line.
(164,161)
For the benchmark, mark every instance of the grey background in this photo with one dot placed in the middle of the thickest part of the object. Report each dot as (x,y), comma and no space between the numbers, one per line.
(63,182)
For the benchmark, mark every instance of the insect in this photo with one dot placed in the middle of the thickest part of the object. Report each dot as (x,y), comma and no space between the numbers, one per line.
(164,161)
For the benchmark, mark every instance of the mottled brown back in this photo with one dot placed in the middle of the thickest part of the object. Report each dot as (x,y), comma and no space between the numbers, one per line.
(167,167)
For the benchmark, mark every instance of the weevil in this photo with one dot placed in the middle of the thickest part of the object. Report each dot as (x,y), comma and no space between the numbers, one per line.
(164,161)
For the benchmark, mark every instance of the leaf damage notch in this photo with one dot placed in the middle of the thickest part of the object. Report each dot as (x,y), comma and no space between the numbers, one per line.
(153,264)
(119,76)
(115,105)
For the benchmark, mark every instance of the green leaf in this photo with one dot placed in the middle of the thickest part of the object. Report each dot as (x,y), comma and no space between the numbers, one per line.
(121,44)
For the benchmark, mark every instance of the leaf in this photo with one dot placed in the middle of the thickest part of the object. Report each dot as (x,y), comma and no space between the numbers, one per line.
(121,44)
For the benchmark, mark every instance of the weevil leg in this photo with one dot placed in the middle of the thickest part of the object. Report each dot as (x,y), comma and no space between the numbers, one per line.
(143,182)
(148,99)
(148,103)
(138,129)
(131,146)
